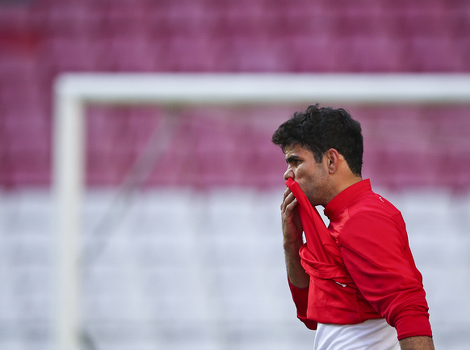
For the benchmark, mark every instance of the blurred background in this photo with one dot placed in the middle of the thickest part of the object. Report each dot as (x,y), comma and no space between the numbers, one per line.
(183,250)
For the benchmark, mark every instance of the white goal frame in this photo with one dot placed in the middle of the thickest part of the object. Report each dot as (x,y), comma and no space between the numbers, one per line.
(73,92)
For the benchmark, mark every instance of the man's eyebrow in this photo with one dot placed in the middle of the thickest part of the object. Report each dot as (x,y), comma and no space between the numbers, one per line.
(292,158)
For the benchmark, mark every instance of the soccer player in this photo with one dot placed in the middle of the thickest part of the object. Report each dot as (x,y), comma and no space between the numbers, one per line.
(354,282)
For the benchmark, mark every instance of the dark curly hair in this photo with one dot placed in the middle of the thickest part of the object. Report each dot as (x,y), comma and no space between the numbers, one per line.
(322,128)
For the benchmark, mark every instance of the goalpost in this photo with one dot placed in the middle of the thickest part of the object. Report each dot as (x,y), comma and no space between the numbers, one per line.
(73,92)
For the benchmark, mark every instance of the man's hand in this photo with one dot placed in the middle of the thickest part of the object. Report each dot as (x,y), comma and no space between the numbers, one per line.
(417,343)
(292,231)
(291,224)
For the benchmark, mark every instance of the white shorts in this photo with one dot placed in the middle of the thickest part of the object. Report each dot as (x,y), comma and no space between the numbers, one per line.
(370,335)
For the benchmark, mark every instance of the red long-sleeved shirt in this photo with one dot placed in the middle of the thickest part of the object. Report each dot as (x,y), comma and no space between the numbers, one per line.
(371,274)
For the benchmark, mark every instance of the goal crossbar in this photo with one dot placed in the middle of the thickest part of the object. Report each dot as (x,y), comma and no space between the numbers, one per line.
(210,89)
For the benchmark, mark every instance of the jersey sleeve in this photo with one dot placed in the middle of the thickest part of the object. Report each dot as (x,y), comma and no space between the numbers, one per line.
(300,298)
(376,253)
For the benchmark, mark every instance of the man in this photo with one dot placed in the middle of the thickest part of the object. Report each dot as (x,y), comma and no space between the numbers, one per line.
(354,282)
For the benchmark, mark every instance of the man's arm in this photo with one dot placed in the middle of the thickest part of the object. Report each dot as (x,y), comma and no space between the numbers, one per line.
(292,232)
(298,279)
(295,272)
(372,250)
(417,343)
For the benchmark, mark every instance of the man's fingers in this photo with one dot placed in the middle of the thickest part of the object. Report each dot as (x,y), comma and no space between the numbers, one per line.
(292,204)
(286,193)
(289,203)
(287,198)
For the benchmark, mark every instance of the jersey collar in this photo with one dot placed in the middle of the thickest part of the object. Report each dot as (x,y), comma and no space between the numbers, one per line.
(346,197)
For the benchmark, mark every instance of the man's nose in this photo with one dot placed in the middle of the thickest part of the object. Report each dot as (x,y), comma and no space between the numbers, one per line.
(289,173)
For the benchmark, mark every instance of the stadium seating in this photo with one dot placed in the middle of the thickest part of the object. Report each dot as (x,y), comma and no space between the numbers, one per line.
(190,269)
(77,38)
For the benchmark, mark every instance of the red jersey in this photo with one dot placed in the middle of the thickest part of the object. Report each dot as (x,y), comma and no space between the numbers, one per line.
(361,266)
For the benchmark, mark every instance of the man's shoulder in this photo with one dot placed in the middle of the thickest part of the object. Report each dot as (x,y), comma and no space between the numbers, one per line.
(372,203)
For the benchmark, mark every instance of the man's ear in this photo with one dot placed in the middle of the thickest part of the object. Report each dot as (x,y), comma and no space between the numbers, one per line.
(332,156)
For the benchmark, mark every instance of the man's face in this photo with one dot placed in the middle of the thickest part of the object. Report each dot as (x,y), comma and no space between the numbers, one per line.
(311,176)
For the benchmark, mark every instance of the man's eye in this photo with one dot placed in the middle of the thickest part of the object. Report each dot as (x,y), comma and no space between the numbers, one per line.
(293,162)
